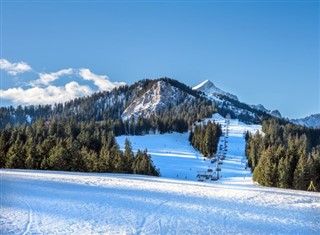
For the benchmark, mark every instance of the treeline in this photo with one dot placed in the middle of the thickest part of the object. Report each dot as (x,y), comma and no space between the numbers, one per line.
(205,138)
(106,109)
(286,156)
(69,146)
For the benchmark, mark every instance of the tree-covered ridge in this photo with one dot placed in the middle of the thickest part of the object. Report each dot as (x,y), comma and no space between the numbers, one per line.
(69,146)
(79,134)
(107,107)
(247,114)
(286,156)
(205,138)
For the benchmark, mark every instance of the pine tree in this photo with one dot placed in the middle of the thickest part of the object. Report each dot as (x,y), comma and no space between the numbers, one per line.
(16,156)
(284,173)
(208,140)
(302,175)
(90,159)
(128,157)
(3,150)
(33,159)
(105,161)
(118,161)
(266,171)
(137,162)
(77,161)
(58,158)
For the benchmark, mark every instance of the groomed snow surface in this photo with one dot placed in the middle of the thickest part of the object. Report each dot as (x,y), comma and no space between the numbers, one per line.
(43,202)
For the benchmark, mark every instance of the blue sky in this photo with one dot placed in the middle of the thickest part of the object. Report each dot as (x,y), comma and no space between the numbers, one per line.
(262,51)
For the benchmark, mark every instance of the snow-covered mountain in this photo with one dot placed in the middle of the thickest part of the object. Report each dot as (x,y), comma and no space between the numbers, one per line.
(210,89)
(309,121)
(260,107)
(228,101)
(148,97)
(160,96)
(276,113)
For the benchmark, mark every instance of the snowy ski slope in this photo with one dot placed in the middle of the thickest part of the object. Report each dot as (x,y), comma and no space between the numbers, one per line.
(176,158)
(37,202)
(44,202)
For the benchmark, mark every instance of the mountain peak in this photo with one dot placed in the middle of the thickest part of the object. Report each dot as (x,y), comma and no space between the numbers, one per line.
(160,96)
(206,83)
(210,89)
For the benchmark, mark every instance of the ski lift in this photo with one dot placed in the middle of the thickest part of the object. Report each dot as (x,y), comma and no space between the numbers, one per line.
(213,160)
(214,178)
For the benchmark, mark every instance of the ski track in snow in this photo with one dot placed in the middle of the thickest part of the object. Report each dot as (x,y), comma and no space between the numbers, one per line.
(32,226)
(47,202)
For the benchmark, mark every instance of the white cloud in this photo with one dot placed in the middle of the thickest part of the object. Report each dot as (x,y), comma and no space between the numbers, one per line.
(43,92)
(101,81)
(47,95)
(47,78)
(14,68)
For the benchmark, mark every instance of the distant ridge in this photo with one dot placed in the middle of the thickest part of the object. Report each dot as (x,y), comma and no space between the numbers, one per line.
(309,121)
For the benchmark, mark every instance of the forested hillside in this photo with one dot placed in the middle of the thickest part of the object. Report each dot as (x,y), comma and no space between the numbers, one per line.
(79,135)
(285,156)
(106,108)
(241,111)
(69,146)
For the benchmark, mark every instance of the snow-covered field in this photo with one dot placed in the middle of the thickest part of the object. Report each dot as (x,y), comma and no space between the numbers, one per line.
(35,202)
(43,202)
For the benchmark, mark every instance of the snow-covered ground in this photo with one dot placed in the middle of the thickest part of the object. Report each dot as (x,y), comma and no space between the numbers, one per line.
(43,202)
(39,202)
(176,158)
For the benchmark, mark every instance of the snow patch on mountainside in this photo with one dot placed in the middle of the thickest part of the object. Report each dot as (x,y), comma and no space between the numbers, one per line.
(310,121)
(159,97)
(211,90)
(260,107)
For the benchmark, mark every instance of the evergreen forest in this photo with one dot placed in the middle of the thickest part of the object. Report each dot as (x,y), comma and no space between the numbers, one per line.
(69,146)
(205,138)
(285,155)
